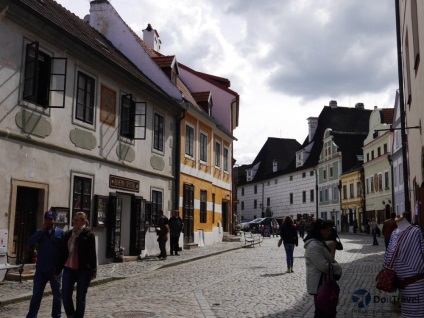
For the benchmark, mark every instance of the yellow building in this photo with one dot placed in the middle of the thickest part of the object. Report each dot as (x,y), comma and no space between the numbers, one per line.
(352,199)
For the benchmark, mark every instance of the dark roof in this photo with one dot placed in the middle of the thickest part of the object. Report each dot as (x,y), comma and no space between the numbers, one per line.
(350,145)
(82,33)
(280,149)
(341,119)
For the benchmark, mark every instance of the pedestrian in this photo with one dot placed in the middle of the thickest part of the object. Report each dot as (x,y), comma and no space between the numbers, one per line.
(318,259)
(275,227)
(308,223)
(388,227)
(162,230)
(48,239)
(408,265)
(79,263)
(373,226)
(301,227)
(175,228)
(289,236)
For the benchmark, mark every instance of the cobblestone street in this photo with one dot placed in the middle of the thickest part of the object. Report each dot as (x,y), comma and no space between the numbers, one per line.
(242,282)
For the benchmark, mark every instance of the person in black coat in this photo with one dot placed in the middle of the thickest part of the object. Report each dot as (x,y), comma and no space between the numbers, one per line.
(288,235)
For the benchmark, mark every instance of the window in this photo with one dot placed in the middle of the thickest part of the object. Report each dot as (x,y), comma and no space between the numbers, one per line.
(368,157)
(213,207)
(276,181)
(372,184)
(303,174)
(380,182)
(311,194)
(242,205)
(203,147)
(385,148)
(225,159)
(291,198)
(331,172)
(82,195)
(378,152)
(311,173)
(217,154)
(291,178)
(367,185)
(351,191)
(358,189)
(255,204)
(158,132)
(372,154)
(335,193)
(326,195)
(415,35)
(203,210)
(304,196)
(274,166)
(268,201)
(133,118)
(189,140)
(400,174)
(321,198)
(44,78)
(344,192)
(242,191)
(85,98)
(324,173)
(386,180)
(255,189)
(156,204)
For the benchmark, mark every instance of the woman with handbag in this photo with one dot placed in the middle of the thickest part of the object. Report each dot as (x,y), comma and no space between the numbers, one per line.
(318,260)
(405,255)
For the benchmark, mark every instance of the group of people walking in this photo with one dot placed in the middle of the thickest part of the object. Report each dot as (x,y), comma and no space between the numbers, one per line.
(64,259)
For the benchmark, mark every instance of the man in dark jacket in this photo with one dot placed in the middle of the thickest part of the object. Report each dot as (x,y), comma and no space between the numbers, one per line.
(162,230)
(175,229)
(48,239)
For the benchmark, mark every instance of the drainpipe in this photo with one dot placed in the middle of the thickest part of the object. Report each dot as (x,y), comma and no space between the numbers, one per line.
(402,116)
(178,161)
(263,194)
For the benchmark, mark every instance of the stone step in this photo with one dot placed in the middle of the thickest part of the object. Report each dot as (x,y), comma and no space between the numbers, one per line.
(190,246)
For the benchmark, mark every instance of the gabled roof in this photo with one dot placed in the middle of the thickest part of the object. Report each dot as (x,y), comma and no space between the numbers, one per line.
(82,33)
(341,119)
(165,61)
(202,96)
(386,115)
(280,149)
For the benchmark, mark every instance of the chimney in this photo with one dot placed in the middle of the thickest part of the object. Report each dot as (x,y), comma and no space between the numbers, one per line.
(359,105)
(312,127)
(151,38)
(333,104)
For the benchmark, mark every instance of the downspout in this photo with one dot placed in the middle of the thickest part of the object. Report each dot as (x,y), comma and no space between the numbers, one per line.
(178,160)
(316,191)
(402,116)
(263,194)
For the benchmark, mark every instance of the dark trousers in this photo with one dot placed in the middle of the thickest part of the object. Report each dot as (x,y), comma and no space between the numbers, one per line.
(40,282)
(174,245)
(71,277)
(374,238)
(162,247)
(386,241)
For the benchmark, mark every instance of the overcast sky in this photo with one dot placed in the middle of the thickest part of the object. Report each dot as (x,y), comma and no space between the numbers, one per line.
(285,58)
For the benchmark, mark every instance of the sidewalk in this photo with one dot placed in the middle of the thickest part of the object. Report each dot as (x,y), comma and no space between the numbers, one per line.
(13,291)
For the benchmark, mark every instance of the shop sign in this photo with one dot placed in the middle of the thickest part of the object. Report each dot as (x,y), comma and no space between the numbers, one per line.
(116,182)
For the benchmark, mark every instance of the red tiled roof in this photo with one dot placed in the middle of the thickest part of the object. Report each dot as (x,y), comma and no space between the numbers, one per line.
(164,61)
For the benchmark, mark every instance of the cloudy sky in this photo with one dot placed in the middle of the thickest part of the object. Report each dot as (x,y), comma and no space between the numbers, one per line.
(286,59)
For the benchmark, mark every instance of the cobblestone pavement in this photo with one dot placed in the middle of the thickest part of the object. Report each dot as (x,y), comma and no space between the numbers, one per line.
(242,282)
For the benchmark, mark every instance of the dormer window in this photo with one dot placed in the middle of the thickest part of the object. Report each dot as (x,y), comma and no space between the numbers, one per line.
(274,166)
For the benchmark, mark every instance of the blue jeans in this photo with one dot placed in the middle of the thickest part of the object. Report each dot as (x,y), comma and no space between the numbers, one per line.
(289,254)
(40,281)
(71,277)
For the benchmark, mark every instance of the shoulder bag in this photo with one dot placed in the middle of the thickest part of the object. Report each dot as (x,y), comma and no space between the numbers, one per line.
(339,245)
(387,279)
(328,297)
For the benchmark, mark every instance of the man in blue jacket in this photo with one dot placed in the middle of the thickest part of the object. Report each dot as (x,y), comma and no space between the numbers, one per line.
(48,239)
